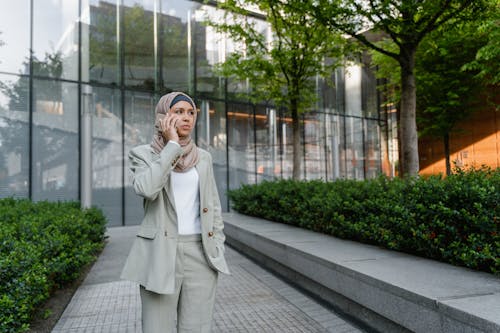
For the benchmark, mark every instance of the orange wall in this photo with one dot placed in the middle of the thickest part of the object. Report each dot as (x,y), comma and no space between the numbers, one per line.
(474,142)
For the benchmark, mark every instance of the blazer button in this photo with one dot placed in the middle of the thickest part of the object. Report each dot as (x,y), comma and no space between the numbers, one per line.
(205,210)
(210,234)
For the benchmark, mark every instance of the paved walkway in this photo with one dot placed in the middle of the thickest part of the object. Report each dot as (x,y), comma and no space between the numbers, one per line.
(249,300)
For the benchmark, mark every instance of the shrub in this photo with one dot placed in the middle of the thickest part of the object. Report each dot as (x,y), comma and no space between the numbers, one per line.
(454,219)
(43,246)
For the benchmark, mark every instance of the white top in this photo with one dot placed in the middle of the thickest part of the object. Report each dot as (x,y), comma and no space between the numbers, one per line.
(186,190)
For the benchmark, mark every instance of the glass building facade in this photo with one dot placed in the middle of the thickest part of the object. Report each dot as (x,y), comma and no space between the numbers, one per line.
(113,59)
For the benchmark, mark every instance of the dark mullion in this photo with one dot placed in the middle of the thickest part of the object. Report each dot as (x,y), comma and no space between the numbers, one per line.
(121,63)
(30,108)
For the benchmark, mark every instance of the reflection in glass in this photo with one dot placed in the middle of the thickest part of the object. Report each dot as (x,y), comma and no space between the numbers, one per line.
(241,145)
(55,141)
(212,47)
(176,26)
(211,136)
(314,146)
(55,39)
(209,48)
(372,149)
(100,61)
(268,162)
(105,107)
(354,155)
(332,146)
(369,90)
(139,45)
(139,125)
(339,94)
(14,36)
(353,90)
(14,136)
(286,145)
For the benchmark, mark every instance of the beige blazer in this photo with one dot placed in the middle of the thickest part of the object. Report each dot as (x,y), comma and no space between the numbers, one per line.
(151,261)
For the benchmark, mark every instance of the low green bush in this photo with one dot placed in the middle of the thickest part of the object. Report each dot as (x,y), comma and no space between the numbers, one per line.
(454,219)
(43,246)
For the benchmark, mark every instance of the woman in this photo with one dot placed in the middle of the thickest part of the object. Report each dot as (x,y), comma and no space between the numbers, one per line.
(179,248)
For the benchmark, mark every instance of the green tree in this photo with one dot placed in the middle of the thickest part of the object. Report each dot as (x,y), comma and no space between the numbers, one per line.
(451,75)
(280,70)
(446,93)
(487,60)
(406,23)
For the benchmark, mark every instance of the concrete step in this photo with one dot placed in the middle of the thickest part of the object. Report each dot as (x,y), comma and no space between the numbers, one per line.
(387,290)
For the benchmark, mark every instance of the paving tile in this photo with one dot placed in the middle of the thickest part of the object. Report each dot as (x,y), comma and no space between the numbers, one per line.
(251,299)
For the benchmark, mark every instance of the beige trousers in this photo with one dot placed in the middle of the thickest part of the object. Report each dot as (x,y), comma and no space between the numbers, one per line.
(192,303)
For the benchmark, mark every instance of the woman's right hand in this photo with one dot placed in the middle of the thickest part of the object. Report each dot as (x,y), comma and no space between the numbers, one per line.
(169,127)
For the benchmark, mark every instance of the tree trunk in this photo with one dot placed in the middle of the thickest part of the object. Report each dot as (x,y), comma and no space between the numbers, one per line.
(409,138)
(446,141)
(297,151)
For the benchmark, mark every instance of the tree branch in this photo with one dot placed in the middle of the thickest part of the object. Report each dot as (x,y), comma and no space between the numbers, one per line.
(433,22)
(394,36)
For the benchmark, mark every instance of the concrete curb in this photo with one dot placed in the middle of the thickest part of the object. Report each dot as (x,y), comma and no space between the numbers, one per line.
(386,290)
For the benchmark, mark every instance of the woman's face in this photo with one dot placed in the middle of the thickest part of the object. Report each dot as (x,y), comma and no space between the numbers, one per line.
(186,117)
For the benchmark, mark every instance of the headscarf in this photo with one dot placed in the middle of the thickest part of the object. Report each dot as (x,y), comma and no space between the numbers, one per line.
(189,156)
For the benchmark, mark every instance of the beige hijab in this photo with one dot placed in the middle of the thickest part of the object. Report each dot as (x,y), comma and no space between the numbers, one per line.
(189,156)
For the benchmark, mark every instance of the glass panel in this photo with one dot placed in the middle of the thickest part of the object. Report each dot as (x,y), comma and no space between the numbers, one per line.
(315,148)
(211,135)
(100,61)
(139,41)
(176,26)
(139,126)
(55,39)
(286,145)
(339,96)
(107,159)
(14,136)
(326,93)
(209,49)
(241,145)
(14,36)
(372,149)
(55,141)
(342,147)
(332,142)
(369,90)
(353,90)
(268,162)
(354,148)
(390,143)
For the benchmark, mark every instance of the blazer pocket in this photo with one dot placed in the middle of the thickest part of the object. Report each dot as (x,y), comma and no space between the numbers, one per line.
(147,232)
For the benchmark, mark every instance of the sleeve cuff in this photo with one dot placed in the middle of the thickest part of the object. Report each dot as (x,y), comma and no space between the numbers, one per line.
(176,143)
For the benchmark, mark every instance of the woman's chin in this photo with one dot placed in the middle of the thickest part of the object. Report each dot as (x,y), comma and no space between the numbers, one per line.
(183,134)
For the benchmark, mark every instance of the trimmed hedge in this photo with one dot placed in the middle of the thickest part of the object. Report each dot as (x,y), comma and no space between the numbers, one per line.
(43,246)
(454,219)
